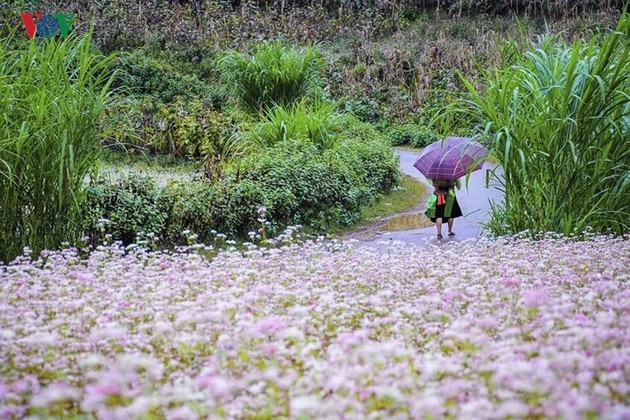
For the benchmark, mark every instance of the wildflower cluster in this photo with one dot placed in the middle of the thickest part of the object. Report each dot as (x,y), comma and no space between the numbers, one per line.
(504,328)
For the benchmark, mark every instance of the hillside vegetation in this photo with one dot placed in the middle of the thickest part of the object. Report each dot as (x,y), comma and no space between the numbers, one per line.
(290,110)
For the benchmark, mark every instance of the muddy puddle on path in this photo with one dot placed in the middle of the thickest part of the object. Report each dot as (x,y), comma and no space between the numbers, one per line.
(406,222)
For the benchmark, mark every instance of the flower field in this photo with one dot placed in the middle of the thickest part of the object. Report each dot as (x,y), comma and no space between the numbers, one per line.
(491,329)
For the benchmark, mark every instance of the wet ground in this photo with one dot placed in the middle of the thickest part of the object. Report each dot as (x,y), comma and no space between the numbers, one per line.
(415,229)
(406,222)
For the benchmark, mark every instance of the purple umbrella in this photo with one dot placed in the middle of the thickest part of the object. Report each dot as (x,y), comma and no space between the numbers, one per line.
(451,158)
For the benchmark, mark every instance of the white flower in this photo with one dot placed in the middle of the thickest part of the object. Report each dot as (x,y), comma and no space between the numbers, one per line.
(304,404)
(53,394)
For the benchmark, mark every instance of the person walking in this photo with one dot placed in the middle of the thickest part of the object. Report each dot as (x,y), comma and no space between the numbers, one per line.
(442,204)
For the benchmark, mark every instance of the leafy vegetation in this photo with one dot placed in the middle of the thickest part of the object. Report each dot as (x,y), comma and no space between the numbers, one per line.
(295,181)
(51,96)
(316,123)
(414,135)
(558,122)
(396,54)
(131,206)
(276,74)
(144,75)
(164,110)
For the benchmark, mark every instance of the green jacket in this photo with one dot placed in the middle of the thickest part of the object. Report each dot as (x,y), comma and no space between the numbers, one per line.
(432,204)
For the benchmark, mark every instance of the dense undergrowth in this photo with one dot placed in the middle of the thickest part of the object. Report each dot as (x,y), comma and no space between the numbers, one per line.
(293,183)
(199,81)
(285,147)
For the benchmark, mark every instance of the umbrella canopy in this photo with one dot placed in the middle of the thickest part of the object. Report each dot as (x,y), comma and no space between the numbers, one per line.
(451,158)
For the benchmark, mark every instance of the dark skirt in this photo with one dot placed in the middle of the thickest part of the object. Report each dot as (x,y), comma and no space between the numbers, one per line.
(456,211)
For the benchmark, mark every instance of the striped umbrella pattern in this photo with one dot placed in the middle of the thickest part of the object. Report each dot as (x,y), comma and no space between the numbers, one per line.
(451,158)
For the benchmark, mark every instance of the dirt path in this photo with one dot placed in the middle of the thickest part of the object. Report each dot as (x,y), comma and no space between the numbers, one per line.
(412,218)
(474,199)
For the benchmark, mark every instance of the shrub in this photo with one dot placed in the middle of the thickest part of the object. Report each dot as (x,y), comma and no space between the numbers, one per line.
(191,205)
(189,129)
(276,74)
(411,134)
(350,127)
(372,162)
(303,185)
(366,109)
(51,96)
(360,158)
(294,180)
(123,209)
(142,74)
(135,204)
(299,186)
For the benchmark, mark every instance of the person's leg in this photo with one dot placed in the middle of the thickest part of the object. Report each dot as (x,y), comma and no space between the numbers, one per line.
(438,225)
(450,226)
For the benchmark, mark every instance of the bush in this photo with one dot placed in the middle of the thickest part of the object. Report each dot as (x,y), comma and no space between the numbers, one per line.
(229,206)
(350,127)
(411,134)
(294,180)
(372,161)
(366,109)
(123,209)
(300,187)
(142,74)
(191,205)
(189,129)
(276,74)
(303,185)
(135,204)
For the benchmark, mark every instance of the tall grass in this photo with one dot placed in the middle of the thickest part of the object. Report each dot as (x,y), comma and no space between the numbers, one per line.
(51,95)
(559,120)
(315,123)
(275,74)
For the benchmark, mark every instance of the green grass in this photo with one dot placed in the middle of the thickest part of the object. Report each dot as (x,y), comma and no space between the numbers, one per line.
(275,74)
(52,94)
(559,126)
(315,122)
(409,195)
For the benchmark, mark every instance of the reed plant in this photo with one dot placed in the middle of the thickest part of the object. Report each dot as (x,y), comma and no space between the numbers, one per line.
(315,123)
(558,120)
(52,93)
(275,74)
